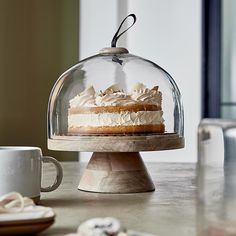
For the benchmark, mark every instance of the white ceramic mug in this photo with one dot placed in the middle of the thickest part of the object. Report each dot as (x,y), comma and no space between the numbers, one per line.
(21,171)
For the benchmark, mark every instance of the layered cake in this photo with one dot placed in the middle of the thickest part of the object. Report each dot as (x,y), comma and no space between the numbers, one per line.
(116,112)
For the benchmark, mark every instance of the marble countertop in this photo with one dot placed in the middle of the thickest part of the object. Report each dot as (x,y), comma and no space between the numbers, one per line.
(170,210)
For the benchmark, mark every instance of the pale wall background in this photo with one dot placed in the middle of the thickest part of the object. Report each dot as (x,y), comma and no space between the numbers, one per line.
(168,33)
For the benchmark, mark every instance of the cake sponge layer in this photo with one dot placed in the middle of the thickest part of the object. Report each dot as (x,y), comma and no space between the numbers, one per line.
(117,129)
(112,109)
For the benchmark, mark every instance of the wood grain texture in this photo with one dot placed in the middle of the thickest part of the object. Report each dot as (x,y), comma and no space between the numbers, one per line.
(135,143)
(168,211)
(116,173)
(115,50)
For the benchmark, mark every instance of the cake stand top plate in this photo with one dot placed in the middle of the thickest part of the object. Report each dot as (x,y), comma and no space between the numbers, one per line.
(122,143)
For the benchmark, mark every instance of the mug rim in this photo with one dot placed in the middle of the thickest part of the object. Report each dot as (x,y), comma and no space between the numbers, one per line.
(18,148)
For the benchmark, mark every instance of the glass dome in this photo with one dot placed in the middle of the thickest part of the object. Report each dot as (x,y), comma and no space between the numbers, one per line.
(114,93)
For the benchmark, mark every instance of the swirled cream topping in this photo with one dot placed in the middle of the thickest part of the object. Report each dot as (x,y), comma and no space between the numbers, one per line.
(114,99)
(112,89)
(143,94)
(114,96)
(86,98)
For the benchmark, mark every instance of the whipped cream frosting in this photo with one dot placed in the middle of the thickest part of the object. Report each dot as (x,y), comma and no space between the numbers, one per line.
(114,96)
(85,99)
(143,94)
(114,119)
(112,89)
(114,99)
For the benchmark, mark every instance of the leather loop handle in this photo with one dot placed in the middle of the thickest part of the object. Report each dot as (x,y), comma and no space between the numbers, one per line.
(117,35)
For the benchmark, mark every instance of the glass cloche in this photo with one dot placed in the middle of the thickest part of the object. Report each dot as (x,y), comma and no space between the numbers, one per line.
(115,104)
(114,93)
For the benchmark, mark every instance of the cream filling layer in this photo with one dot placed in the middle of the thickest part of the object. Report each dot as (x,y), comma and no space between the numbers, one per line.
(125,118)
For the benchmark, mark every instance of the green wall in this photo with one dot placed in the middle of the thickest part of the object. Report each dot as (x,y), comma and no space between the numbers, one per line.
(38,41)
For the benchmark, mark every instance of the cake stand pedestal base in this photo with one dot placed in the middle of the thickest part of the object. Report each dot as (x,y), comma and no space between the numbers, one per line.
(116,172)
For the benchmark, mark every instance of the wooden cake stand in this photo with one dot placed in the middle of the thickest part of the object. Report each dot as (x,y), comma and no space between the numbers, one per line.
(116,165)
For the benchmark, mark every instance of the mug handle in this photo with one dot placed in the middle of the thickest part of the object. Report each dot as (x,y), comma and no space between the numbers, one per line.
(57,182)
